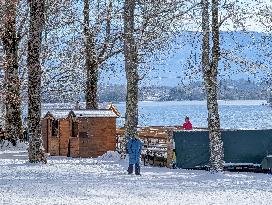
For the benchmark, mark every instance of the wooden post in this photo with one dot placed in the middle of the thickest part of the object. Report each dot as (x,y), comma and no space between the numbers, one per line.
(169,148)
(45,129)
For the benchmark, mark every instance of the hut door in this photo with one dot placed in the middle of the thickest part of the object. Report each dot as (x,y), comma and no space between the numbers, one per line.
(64,135)
(75,128)
(55,128)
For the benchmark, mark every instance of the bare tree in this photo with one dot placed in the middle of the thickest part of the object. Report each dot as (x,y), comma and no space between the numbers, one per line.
(229,15)
(131,68)
(36,151)
(149,27)
(89,38)
(101,43)
(90,61)
(10,41)
(210,72)
(62,57)
(2,105)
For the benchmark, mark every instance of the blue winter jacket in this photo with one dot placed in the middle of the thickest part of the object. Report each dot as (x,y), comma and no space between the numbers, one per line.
(134,147)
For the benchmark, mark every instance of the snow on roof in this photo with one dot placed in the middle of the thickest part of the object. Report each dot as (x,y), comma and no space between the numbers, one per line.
(94,113)
(56,113)
(79,113)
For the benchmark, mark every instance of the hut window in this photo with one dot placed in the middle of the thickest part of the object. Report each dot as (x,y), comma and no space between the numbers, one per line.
(83,134)
(74,129)
(55,128)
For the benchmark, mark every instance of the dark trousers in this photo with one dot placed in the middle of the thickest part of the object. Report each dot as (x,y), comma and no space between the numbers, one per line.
(137,169)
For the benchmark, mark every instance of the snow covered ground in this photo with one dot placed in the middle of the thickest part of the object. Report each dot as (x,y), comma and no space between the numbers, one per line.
(104,181)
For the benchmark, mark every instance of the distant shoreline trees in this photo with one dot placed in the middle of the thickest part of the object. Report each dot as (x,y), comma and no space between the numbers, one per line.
(227,90)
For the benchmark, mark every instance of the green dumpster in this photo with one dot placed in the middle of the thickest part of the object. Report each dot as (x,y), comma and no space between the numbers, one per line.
(240,146)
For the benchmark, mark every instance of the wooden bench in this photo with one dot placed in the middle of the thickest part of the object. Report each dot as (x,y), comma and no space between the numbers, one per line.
(155,158)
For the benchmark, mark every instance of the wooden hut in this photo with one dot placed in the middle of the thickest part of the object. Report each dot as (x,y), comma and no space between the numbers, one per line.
(79,133)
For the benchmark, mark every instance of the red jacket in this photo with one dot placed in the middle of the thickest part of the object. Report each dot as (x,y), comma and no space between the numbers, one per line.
(187,126)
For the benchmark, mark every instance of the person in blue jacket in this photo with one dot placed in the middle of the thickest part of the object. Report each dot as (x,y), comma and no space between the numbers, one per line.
(134,148)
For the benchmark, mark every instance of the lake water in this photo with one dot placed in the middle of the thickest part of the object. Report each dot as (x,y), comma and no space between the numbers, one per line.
(250,114)
(233,114)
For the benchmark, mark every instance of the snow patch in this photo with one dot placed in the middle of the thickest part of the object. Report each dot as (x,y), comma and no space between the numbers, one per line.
(110,156)
(6,146)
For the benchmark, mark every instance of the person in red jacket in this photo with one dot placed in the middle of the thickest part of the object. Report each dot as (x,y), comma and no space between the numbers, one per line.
(187,125)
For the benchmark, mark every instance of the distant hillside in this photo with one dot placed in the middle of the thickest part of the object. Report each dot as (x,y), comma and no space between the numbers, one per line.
(228,90)
(243,55)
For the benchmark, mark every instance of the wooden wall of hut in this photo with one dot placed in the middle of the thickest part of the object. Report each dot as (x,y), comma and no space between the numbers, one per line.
(79,137)
(96,136)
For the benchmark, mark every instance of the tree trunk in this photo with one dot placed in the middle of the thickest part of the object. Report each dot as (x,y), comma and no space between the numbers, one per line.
(13,122)
(36,150)
(91,85)
(131,67)
(210,71)
(91,64)
(131,117)
(2,111)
